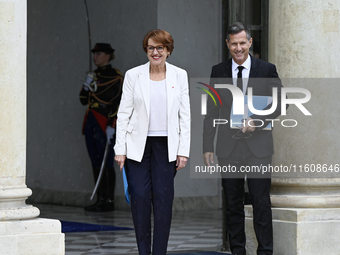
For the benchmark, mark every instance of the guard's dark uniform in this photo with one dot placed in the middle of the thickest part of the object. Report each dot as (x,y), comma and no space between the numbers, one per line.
(102,112)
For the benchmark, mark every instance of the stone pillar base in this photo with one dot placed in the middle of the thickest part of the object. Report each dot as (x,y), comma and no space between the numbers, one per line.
(32,237)
(300,231)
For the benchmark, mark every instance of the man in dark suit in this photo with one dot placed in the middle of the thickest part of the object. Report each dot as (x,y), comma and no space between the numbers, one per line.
(248,146)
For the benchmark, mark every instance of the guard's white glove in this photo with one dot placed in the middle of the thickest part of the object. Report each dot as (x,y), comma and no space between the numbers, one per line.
(110,131)
(88,81)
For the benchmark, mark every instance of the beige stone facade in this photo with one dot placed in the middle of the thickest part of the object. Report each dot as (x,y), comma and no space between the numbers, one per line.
(303,43)
(20,228)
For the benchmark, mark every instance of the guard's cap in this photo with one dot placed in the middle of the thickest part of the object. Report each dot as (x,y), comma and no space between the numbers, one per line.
(103,47)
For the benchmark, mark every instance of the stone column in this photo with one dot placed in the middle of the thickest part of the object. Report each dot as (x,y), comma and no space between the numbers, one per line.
(21,232)
(304,45)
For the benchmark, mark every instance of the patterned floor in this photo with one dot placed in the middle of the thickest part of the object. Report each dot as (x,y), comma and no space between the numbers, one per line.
(190,231)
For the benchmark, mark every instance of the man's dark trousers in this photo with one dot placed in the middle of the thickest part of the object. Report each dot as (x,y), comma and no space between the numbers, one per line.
(259,192)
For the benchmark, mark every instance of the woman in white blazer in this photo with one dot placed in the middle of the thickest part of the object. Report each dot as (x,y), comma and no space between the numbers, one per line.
(153,138)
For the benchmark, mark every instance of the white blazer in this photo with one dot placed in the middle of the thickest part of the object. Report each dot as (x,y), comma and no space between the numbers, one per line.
(134,112)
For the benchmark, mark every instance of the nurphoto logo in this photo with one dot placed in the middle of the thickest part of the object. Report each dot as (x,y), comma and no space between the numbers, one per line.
(238,106)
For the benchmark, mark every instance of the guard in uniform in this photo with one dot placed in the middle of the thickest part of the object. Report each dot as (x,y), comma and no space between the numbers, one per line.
(102,92)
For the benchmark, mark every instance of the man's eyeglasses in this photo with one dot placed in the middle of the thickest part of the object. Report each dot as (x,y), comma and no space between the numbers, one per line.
(159,48)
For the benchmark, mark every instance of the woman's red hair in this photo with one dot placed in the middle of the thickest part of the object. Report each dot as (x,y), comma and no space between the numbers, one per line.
(161,36)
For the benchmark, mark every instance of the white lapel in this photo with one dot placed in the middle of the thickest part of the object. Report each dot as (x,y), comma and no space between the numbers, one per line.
(171,83)
(144,80)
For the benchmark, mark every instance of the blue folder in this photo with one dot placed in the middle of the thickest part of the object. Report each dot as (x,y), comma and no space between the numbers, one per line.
(259,103)
(126,187)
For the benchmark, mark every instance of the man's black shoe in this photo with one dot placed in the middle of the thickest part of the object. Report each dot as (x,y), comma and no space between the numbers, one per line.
(101,206)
